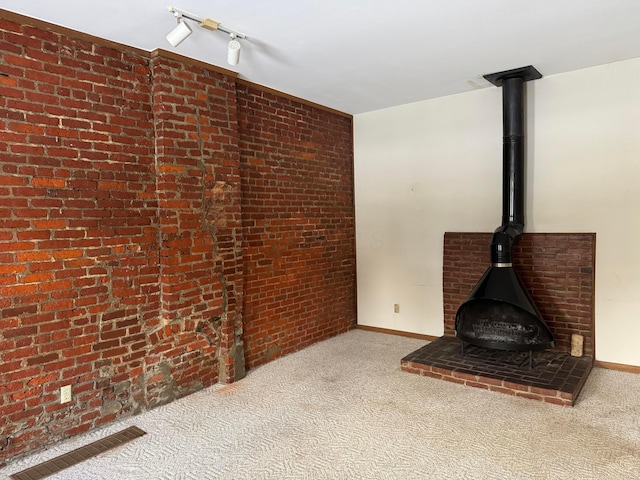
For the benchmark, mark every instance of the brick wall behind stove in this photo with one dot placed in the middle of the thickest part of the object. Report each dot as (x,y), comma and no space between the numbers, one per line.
(558,270)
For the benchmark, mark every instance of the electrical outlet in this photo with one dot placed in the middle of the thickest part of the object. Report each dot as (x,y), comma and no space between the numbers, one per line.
(396,308)
(65,394)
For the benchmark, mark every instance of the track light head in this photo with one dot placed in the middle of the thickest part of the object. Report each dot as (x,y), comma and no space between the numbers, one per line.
(233,51)
(179,33)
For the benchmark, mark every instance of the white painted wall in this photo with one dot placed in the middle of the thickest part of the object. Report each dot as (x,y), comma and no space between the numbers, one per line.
(429,167)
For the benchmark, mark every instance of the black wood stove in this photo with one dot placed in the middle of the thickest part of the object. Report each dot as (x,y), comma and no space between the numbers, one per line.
(499,313)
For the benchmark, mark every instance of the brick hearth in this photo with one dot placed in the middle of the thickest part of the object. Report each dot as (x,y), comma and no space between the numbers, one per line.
(558,270)
(556,377)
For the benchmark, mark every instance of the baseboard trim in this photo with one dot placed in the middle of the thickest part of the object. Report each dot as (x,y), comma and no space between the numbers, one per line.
(618,366)
(420,336)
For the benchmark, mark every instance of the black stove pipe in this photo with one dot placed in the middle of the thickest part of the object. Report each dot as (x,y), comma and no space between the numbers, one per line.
(513,150)
(512,173)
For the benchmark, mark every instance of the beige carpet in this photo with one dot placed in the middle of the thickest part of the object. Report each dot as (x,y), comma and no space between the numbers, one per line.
(343,409)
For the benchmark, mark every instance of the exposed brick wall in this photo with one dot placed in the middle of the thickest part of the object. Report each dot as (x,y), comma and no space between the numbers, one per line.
(121,231)
(298,218)
(558,270)
(78,234)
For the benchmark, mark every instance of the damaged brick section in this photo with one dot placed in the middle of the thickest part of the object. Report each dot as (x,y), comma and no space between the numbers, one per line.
(197,168)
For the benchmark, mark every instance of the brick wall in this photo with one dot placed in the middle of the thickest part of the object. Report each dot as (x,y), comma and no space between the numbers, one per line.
(78,234)
(121,230)
(298,218)
(558,270)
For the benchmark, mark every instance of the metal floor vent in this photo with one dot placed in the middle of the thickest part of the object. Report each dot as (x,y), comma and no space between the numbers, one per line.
(78,455)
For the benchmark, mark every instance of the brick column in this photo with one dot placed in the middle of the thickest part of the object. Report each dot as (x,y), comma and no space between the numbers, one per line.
(197,167)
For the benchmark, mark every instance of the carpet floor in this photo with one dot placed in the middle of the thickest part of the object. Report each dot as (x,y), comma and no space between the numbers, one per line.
(343,409)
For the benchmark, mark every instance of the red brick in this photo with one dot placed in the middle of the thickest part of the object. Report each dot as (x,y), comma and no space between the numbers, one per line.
(18,290)
(465,376)
(558,401)
(14,268)
(516,386)
(49,182)
(12,180)
(544,391)
(39,380)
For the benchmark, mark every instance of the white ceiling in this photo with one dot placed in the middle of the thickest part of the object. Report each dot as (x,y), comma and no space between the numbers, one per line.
(362,55)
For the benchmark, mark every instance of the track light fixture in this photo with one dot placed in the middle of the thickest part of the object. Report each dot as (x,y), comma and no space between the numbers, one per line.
(233,51)
(179,33)
(182,31)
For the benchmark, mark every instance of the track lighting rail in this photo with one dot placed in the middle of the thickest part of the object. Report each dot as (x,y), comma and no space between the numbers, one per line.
(205,22)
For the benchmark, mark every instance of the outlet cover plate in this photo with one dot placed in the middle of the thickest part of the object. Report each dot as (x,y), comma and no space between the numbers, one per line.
(65,394)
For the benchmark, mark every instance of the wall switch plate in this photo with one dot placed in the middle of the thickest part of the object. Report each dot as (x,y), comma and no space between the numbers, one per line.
(65,394)
(396,308)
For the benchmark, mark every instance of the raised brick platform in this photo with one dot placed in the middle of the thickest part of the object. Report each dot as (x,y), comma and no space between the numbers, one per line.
(556,377)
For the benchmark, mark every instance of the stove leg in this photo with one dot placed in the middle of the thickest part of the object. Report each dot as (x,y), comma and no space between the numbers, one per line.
(462,343)
(530,359)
